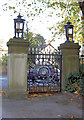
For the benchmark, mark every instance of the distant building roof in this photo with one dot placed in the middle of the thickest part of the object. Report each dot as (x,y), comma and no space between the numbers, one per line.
(49,48)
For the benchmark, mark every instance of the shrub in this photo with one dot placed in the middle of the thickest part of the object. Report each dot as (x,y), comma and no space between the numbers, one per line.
(4,59)
(74,82)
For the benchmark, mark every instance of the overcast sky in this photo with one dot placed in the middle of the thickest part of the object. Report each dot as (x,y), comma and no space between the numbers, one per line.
(7,27)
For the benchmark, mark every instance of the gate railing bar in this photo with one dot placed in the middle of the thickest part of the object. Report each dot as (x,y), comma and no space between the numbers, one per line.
(52,92)
(46,61)
(45,54)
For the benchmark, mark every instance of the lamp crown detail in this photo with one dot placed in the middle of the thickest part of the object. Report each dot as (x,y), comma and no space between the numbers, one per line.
(68,22)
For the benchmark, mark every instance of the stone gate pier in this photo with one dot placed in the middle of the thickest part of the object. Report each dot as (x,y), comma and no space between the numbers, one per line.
(70,59)
(17,68)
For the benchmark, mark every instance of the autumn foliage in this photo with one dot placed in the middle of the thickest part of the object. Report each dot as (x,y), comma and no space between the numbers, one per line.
(75,83)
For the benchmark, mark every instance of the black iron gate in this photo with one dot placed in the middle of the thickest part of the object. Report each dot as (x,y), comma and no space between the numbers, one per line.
(43,71)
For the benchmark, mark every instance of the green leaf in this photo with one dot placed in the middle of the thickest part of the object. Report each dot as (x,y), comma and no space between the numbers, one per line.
(76,88)
(15,11)
(10,7)
(40,9)
(36,9)
(13,7)
(78,20)
(29,4)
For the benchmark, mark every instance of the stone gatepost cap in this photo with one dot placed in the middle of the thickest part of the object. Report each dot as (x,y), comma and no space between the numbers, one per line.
(69,45)
(17,42)
(17,46)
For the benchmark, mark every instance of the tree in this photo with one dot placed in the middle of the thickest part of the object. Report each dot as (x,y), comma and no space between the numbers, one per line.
(40,40)
(4,59)
(67,10)
(35,40)
(81,4)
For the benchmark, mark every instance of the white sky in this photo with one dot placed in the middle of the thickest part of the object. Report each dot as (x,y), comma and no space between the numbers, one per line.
(7,28)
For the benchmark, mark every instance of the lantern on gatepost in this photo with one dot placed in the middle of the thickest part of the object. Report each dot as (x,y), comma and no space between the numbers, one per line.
(19,27)
(69,31)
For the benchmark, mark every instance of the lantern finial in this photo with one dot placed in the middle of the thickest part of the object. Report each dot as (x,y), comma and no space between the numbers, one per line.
(68,22)
(19,27)
(69,31)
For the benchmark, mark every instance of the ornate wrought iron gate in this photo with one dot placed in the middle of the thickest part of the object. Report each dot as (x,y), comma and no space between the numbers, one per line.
(43,71)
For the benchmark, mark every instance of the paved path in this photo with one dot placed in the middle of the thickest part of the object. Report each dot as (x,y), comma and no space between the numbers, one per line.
(56,106)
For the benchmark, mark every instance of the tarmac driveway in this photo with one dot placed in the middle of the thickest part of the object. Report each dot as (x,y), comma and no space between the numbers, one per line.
(64,105)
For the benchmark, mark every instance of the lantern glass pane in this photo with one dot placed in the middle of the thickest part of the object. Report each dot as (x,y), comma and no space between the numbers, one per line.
(19,25)
(70,31)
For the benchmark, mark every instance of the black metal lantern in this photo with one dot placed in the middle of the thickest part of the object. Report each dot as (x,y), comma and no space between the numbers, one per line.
(19,27)
(69,31)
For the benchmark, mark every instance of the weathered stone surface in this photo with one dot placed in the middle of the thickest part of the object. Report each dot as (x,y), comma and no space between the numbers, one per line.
(17,46)
(17,68)
(70,59)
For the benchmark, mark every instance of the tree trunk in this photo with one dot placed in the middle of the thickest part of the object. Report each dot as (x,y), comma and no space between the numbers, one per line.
(81,4)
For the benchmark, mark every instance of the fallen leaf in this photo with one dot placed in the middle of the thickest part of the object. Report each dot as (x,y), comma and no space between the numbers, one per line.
(42,90)
(35,95)
(65,91)
(51,95)
(71,116)
(59,115)
(30,96)
(71,99)
(42,95)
